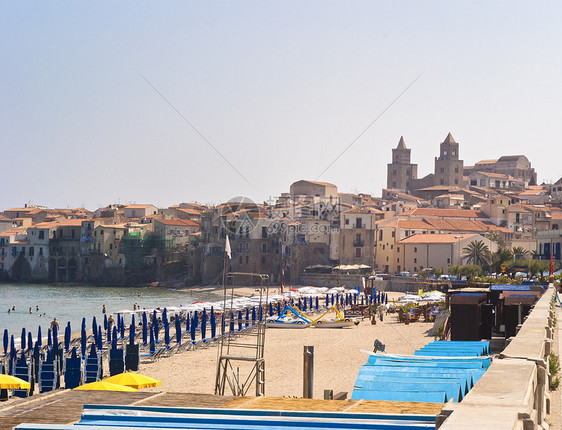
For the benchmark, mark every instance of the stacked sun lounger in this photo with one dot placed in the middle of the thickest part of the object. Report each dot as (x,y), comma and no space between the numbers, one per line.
(437,373)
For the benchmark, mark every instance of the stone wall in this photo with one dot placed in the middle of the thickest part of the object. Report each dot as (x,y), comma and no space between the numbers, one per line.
(513,393)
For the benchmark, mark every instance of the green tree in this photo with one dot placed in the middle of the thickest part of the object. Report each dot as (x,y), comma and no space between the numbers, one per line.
(520,253)
(477,253)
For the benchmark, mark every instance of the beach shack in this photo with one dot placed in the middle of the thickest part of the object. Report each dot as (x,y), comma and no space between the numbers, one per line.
(466,315)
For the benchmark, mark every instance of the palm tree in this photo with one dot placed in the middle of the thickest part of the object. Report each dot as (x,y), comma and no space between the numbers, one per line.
(520,253)
(477,252)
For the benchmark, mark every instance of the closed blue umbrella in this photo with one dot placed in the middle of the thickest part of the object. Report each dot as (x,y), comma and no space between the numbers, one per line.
(240,317)
(165,316)
(114,338)
(253,315)
(167,334)
(29,341)
(109,332)
(192,331)
(132,334)
(39,338)
(144,329)
(6,340)
(195,319)
(386,299)
(99,339)
(152,341)
(247,318)
(327,300)
(187,321)
(178,330)
(122,327)
(84,322)
(83,340)
(55,337)
(12,346)
(23,340)
(66,338)
(278,307)
(300,303)
(231,326)
(73,354)
(204,324)
(155,325)
(213,324)
(49,338)
(317,302)
(270,309)
(105,322)
(362,300)
(305,302)
(94,326)
(223,324)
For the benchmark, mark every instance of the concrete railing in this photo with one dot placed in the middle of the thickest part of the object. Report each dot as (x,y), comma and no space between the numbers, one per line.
(513,393)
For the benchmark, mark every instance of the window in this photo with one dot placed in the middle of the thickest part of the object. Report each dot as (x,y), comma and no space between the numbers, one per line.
(263,248)
(415,249)
(247,259)
(517,217)
(380,235)
(442,170)
(398,260)
(393,233)
(264,232)
(358,223)
(398,248)
(358,252)
(41,234)
(347,221)
(31,251)
(240,260)
(415,260)
(40,250)
(442,182)
(448,261)
(394,172)
(445,152)
(473,182)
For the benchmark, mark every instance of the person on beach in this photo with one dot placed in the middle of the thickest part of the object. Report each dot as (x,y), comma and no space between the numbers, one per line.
(55,323)
(30,310)
(110,321)
(9,310)
(37,308)
(103,309)
(13,308)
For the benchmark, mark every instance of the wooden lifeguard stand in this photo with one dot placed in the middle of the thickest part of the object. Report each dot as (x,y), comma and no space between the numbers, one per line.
(241,362)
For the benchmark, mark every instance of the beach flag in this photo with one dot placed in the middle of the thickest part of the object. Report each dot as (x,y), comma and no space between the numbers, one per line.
(227,248)
(551,265)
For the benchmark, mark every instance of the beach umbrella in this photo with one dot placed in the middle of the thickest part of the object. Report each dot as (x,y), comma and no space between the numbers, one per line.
(134,380)
(73,354)
(29,341)
(66,338)
(133,321)
(39,338)
(105,386)
(49,338)
(144,329)
(94,326)
(278,308)
(213,324)
(114,338)
(187,321)
(305,303)
(386,299)
(155,325)
(327,300)
(83,340)
(204,325)
(12,347)
(152,341)
(105,322)
(260,313)
(99,339)
(178,330)
(23,339)
(300,304)
(55,337)
(270,309)
(6,341)
(167,334)
(9,382)
(132,334)
(109,337)
(247,324)
(49,357)
(240,318)
(347,299)
(195,319)
(223,324)
(192,331)
(165,316)
(317,302)
(122,327)
(253,315)
(231,326)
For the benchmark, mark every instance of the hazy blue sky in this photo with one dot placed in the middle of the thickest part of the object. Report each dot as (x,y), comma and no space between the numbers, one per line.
(278,87)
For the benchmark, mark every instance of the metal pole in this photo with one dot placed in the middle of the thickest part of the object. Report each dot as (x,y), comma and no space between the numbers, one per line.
(308,372)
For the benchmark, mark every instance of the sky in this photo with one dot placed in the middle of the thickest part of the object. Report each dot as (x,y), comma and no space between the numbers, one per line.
(166,102)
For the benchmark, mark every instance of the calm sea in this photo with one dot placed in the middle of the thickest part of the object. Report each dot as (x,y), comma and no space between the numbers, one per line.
(71,303)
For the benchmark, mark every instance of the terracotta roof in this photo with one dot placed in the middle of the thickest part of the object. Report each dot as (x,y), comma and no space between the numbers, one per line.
(358,211)
(12,232)
(325,184)
(413,224)
(189,211)
(178,222)
(445,213)
(556,216)
(486,162)
(436,238)
(495,175)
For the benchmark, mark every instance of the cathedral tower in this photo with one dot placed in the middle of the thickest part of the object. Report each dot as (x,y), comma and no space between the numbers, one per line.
(401,171)
(448,167)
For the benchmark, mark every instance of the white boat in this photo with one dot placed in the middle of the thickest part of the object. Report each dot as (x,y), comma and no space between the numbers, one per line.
(336,323)
(291,323)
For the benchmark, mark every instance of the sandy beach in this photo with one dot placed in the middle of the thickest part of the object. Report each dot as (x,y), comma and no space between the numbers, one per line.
(337,360)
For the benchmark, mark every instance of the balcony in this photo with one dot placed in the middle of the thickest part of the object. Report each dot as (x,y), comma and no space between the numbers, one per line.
(358,243)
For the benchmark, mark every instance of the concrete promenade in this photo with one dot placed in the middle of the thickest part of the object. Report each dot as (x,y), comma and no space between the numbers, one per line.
(514,392)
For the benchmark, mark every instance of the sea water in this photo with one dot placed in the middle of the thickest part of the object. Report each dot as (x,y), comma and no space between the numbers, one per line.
(72,303)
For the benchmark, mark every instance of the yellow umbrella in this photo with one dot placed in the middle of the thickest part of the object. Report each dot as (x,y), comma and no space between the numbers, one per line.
(105,386)
(133,380)
(8,382)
